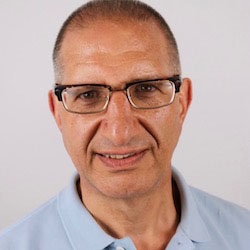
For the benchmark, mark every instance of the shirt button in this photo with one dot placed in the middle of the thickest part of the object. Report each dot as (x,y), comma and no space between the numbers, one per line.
(120,248)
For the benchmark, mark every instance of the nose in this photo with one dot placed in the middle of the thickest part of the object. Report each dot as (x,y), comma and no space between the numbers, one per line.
(119,124)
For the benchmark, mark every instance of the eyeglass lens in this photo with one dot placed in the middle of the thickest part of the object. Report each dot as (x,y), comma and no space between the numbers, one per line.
(93,98)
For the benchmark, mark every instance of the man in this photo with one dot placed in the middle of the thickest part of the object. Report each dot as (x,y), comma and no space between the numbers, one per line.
(119,102)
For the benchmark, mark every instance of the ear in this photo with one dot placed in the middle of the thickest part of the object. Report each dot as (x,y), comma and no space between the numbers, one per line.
(54,108)
(185,97)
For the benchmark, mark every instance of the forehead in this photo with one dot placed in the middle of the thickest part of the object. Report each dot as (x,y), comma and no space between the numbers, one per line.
(110,45)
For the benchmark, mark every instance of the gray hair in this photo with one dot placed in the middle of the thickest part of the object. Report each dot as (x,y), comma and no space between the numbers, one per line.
(114,10)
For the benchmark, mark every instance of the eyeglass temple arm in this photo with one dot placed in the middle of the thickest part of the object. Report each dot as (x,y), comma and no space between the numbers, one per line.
(177,80)
(58,91)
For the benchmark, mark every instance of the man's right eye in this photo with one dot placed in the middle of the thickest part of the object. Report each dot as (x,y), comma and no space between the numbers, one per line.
(89,94)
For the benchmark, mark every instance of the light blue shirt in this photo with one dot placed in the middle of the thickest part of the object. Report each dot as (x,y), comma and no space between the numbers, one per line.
(63,223)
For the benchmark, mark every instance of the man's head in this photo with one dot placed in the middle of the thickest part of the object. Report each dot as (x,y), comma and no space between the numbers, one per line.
(117,11)
(123,151)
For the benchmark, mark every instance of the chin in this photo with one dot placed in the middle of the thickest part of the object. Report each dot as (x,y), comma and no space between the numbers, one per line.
(128,190)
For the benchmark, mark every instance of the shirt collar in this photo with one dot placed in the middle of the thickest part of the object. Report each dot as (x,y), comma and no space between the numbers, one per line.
(81,228)
(191,222)
(84,232)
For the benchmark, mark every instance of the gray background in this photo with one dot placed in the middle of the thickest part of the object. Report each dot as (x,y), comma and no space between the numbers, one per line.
(213,153)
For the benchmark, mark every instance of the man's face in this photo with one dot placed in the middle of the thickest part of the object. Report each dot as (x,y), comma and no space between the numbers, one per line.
(122,152)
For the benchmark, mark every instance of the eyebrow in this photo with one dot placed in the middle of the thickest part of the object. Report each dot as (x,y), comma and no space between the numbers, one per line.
(139,80)
(146,78)
(126,83)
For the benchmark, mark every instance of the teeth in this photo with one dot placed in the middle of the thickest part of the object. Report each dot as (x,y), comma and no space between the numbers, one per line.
(118,157)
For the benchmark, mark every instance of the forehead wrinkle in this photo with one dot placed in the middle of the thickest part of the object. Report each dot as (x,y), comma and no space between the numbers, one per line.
(98,73)
(112,60)
(102,55)
(94,67)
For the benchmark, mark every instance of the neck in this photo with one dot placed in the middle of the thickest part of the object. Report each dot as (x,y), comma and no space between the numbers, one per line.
(143,219)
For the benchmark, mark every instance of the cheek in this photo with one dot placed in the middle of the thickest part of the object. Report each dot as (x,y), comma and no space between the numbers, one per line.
(78,132)
(168,127)
(75,136)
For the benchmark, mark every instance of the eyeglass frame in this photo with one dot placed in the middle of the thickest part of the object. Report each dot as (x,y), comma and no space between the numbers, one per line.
(59,88)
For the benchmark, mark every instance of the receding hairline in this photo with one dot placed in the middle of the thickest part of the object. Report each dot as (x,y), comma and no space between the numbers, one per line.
(117,11)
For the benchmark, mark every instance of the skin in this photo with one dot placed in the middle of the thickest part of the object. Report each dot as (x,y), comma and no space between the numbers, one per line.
(135,194)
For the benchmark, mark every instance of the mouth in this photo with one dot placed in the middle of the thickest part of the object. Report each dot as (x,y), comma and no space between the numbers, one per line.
(118,156)
(121,161)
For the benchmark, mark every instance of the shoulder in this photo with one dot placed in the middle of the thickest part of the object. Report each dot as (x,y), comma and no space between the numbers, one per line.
(42,225)
(223,217)
(217,205)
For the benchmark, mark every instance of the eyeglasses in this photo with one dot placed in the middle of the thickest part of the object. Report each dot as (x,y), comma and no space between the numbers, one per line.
(94,98)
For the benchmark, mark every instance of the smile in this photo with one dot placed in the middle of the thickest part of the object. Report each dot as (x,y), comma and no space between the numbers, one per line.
(121,161)
(118,156)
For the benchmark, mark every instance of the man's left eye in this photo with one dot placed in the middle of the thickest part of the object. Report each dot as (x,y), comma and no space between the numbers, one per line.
(145,87)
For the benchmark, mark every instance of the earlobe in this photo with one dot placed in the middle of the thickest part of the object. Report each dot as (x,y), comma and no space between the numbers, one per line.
(53,105)
(185,98)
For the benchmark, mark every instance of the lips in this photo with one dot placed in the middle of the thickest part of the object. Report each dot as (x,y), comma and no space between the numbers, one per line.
(121,161)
